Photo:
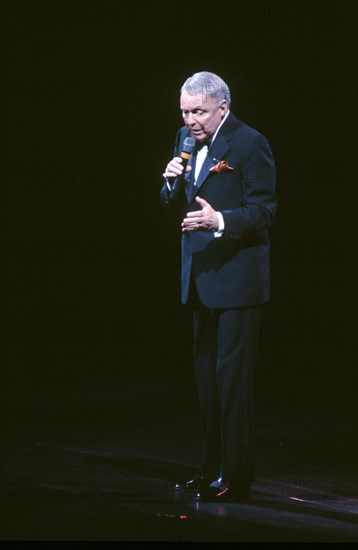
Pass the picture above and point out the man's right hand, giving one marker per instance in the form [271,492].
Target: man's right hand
[175,168]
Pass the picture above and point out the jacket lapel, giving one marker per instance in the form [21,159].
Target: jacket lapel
[189,178]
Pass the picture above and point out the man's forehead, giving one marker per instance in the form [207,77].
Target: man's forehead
[196,101]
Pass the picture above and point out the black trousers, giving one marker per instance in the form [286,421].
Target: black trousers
[225,351]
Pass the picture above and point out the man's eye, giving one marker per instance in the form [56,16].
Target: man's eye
[195,113]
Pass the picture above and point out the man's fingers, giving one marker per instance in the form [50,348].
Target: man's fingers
[195,214]
[193,219]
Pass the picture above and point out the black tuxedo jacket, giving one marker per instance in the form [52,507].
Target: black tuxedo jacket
[232,270]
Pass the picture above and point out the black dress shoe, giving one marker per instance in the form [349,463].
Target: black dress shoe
[199,483]
[220,491]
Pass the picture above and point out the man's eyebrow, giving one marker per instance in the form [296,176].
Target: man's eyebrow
[198,108]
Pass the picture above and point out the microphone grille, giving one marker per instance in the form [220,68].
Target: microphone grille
[189,144]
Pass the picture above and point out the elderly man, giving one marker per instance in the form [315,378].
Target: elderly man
[222,181]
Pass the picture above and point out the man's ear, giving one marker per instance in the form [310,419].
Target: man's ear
[223,108]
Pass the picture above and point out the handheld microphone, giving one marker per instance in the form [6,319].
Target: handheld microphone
[188,148]
[178,182]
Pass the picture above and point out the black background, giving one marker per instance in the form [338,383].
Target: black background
[90,264]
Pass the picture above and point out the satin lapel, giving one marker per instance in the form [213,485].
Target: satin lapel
[216,153]
[189,178]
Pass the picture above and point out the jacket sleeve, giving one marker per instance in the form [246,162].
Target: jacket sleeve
[258,178]
[172,193]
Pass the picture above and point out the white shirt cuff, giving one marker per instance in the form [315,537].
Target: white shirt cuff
[221,227]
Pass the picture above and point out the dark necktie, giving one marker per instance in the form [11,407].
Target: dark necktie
[200,144]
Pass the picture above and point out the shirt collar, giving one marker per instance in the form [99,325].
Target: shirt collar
[218,128]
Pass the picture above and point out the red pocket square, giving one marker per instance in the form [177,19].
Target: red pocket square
[221,166]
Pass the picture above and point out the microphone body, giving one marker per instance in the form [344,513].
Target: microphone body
[178,182]
[188,148]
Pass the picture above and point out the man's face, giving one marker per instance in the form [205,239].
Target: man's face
[202,114]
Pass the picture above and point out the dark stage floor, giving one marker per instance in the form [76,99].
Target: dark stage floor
[95,469]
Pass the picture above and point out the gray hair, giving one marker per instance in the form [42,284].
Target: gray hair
[206,83]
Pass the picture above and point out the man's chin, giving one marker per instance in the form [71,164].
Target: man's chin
[199,137]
